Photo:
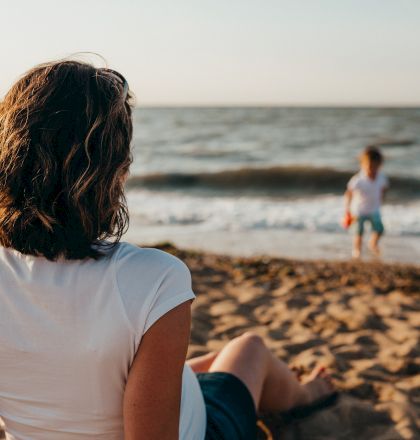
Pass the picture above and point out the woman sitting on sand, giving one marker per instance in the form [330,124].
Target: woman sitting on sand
[94,333]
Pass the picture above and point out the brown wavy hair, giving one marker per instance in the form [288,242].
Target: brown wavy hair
[65,134]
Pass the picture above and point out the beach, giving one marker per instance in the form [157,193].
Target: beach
[360,320]
[270,180]
[256,195]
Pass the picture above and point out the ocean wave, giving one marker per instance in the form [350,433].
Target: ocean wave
[281,181]
[388,142]
[317,214]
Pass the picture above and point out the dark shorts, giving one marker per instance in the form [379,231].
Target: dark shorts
[231,413]
[375,222]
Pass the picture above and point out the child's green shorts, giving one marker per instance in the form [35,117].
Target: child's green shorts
[375,221]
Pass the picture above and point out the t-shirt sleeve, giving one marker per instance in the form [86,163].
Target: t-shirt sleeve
[174,290]
[150,283]
[385,182]
[353,183]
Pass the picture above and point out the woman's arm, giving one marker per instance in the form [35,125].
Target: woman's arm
[152,395]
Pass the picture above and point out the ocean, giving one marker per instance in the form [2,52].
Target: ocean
[269,180]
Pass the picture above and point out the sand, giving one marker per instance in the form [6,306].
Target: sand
[361,320]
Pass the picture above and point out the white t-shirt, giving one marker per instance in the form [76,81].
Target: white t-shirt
[69,331]
[367,192]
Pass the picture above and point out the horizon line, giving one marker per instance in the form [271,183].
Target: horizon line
[279,105]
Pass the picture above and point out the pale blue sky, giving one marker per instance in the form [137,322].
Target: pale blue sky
[317,52]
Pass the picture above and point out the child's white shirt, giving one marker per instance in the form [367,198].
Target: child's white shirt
[367,192]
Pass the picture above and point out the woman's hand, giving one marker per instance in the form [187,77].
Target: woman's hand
[152,396]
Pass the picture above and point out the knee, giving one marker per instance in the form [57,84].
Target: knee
[251,340]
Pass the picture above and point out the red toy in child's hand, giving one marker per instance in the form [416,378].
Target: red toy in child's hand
[347,220]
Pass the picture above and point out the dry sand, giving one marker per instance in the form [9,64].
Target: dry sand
[362,321]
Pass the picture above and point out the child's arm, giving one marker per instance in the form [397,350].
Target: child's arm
[348,196]
[384,191]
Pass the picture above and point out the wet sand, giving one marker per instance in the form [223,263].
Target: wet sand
[360,320]
[275,243]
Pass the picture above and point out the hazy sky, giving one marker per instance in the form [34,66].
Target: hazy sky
[229,51]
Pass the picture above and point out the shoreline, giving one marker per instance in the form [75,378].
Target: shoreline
[298,245]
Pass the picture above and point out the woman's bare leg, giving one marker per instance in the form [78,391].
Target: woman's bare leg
[201,364]
[272,384]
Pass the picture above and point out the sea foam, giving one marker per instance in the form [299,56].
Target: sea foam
[318,214]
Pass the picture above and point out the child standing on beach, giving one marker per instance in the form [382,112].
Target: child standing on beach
[366,189]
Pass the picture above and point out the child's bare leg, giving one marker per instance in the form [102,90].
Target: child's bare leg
[272,384]
[374,243]
[201,364]
[357,246]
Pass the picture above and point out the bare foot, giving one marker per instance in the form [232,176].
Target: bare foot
[356,254]
[375,251]
[299,371]
[319,386]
